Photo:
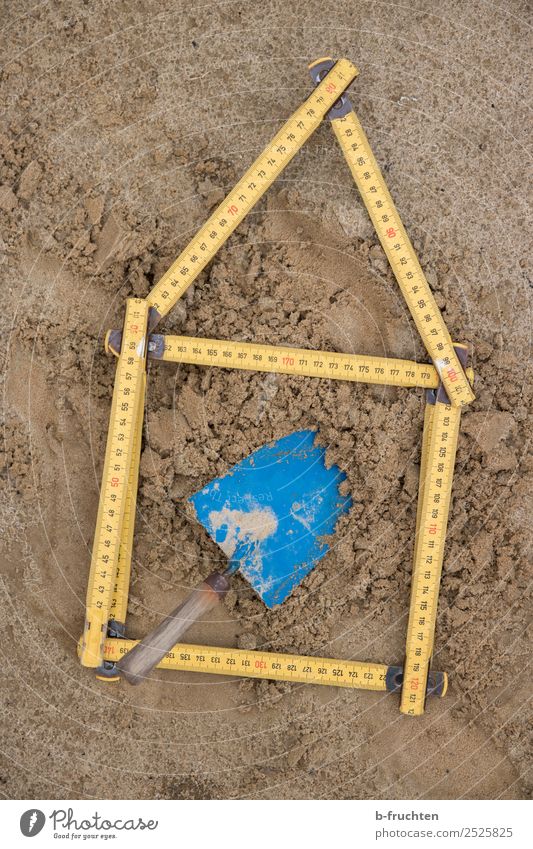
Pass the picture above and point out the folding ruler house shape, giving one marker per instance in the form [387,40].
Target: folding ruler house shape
[446,381]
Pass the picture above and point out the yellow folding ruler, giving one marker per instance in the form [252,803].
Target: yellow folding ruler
[249,189]
[301,362]
[274,666]
[103,640]
[439,445]
[116,509]
[396,244]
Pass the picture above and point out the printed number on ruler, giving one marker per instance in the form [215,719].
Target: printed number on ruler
[248,190]
[434,509]
[127,396]
[402,257]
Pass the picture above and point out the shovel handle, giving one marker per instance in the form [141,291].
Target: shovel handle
[138,663]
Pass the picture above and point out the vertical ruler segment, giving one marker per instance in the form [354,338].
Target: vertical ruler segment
[128,395]
[249,190]
[274,666]
[429,553]
[119,598]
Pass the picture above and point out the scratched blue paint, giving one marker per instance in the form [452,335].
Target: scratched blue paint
[271,512]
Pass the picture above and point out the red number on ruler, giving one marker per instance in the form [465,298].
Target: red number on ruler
[432,529]
[391,232]
[114,481]
[452,374]
[232,209]
[330,87]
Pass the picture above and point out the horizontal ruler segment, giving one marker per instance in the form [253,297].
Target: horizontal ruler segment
[249,190]
[384,371]
[128,395]
[274,666]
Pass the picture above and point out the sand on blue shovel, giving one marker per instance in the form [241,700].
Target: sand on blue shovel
[271,512]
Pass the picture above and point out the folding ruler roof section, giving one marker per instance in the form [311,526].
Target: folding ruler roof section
[447,383]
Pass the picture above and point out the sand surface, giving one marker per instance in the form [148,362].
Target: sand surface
[123,125]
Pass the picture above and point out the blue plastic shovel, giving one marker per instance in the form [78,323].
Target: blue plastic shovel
[271,515]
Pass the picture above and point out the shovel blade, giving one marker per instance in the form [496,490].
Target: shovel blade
[271,513]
